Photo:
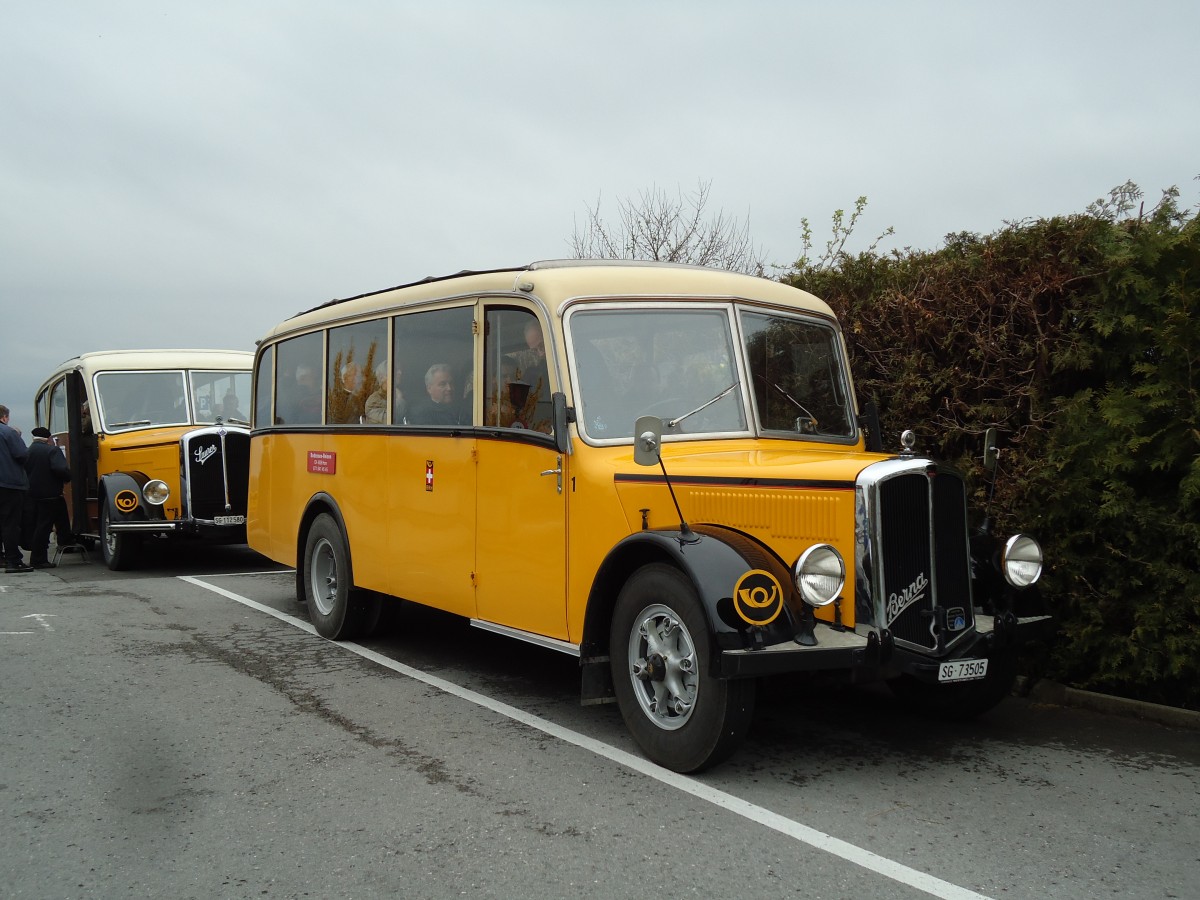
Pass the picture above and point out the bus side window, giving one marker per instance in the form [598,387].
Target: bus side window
[262,390]
[297,389]
[435,352]
[57,421]
[517,378]
[355,352]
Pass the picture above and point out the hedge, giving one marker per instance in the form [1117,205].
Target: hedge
[1078,337]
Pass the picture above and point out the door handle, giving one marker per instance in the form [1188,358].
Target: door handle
[558,472]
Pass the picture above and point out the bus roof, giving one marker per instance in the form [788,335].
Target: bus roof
[555,282]
[126,360]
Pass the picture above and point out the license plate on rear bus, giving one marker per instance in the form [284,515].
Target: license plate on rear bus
[241,520]
[963,670]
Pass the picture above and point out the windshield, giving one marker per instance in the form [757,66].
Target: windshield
[220,393]
[130,400]
[656,362]
[796,376]
[680,364]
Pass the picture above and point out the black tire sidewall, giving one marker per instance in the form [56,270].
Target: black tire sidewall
[723,708]
[333,625]
[126,546]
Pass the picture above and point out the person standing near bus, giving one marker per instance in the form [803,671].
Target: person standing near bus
[48,471]
[13,485]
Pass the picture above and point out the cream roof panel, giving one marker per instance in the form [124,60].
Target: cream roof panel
[126,360]
[555,282]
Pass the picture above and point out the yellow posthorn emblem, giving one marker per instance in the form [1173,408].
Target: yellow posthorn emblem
[126,501]
[757,597]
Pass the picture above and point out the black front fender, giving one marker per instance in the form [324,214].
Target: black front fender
[715,564]
[121,492]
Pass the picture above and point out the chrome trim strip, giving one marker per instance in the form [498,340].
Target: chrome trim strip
[528,636]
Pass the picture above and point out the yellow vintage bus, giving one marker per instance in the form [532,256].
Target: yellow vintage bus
[157,443]
[659,469]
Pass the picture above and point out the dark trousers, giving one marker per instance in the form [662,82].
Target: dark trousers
[12,508]
[50,513]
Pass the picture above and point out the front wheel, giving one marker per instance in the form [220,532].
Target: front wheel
[681,716]
[120,549]
[337,610]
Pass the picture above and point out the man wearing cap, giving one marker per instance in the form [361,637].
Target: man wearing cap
[13,483]
[48,472]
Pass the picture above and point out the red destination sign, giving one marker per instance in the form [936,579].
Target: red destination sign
[322,462]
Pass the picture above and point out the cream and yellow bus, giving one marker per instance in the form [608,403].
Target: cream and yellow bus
[157,442]
[658,469]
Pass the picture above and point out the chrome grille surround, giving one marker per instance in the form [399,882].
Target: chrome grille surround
[214,469]
[912,556]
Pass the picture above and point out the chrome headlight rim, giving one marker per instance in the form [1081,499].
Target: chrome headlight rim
[1021,561]
[156,492]
[820,575]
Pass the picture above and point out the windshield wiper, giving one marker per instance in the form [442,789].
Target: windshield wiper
[128,424]
[706,405]
[812,420]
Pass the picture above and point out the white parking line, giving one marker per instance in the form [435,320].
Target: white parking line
[804,834]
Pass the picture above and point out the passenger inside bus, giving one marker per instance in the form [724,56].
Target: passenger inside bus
[299,402]
[376,407]
[346,406]
[399,405]
[441,406]
[230,408]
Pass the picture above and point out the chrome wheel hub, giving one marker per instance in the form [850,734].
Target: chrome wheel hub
[662,667]
[323,577]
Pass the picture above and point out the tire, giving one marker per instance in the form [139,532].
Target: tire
[962,701]
[660,649]
[121,550]
[337,610]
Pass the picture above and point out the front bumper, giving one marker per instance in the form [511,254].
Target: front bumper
[176,526]
[873,656]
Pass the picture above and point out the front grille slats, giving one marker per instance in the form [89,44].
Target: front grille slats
[924,558]
[206,460]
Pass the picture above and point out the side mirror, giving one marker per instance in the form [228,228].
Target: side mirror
[562,416]
[990,450]
[647,437]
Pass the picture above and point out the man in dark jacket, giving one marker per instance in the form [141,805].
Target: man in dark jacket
[48,472]
[12,493]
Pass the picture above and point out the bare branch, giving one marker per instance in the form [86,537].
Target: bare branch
[679,229]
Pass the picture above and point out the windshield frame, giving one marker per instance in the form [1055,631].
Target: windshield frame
[189,419]
[844,382]
[733,310]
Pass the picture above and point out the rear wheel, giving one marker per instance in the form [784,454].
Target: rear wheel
[337,610]
[121,550]
[661,650]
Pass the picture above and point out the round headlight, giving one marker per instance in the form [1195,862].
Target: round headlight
[1021,560]
[820,575]
[156,492]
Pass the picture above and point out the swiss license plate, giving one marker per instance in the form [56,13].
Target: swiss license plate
[962,670]
[241,520]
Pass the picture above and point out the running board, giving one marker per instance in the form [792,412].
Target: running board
[529,637]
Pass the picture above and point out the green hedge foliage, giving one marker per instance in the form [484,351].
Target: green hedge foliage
[1078,337]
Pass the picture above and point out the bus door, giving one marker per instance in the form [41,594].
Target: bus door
[77,436]
[431,472]
[521,519]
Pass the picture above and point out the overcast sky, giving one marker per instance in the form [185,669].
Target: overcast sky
[190,174]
